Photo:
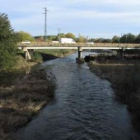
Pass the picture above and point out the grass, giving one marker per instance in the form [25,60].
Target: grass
[23,99]
[36,57]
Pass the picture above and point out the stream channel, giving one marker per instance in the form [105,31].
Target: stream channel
[84,108]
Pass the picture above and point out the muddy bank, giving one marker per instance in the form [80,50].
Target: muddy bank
[22,99]
[125,79]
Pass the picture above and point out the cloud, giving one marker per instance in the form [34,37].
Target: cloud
[105,2]
[72,16]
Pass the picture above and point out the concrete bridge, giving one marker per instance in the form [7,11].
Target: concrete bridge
[78,47]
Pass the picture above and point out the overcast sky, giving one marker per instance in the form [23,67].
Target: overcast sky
[92,18]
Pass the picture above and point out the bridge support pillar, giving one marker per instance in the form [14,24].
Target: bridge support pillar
[27,54]
[121,53]
[80,59]
[79,52]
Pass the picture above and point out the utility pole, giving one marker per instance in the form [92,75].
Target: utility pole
[58,33]
[126,40]
[45,28]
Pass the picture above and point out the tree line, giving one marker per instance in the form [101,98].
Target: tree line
[126,38]
[61,35]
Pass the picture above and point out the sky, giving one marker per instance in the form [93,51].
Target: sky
[90,18]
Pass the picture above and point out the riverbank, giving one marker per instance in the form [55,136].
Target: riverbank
[23,99]
[39,56]
[125,80]
[23,96]
[22,63]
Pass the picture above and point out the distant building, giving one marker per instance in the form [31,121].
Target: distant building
[67,41]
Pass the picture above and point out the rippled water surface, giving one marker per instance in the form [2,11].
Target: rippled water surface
[84,108]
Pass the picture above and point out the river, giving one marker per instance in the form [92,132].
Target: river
[84,108]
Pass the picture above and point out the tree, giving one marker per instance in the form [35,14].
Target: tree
[81,39]
[61,35]
[39,38]
[115,39]
[137,39]
[24,36]
[8,43]
[123,39]
[70,35]
[99,40]
[51,37]
[106,41]
[128,38]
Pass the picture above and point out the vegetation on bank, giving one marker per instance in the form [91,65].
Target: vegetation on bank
[10,58]
[22,99]
[125,79]
[38,56]
[8,43]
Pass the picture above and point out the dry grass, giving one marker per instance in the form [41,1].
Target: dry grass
[20,102]
[22,63]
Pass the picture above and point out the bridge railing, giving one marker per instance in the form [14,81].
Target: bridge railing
[45,44]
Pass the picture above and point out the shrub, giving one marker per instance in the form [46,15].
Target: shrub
[8,43]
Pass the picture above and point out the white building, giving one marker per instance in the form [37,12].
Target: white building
[67,41]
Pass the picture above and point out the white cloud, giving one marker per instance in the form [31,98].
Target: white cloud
[102,2]
[70,15]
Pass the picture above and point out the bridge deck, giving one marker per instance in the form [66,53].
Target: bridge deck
[82,46]
[79,47]
[77,44]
